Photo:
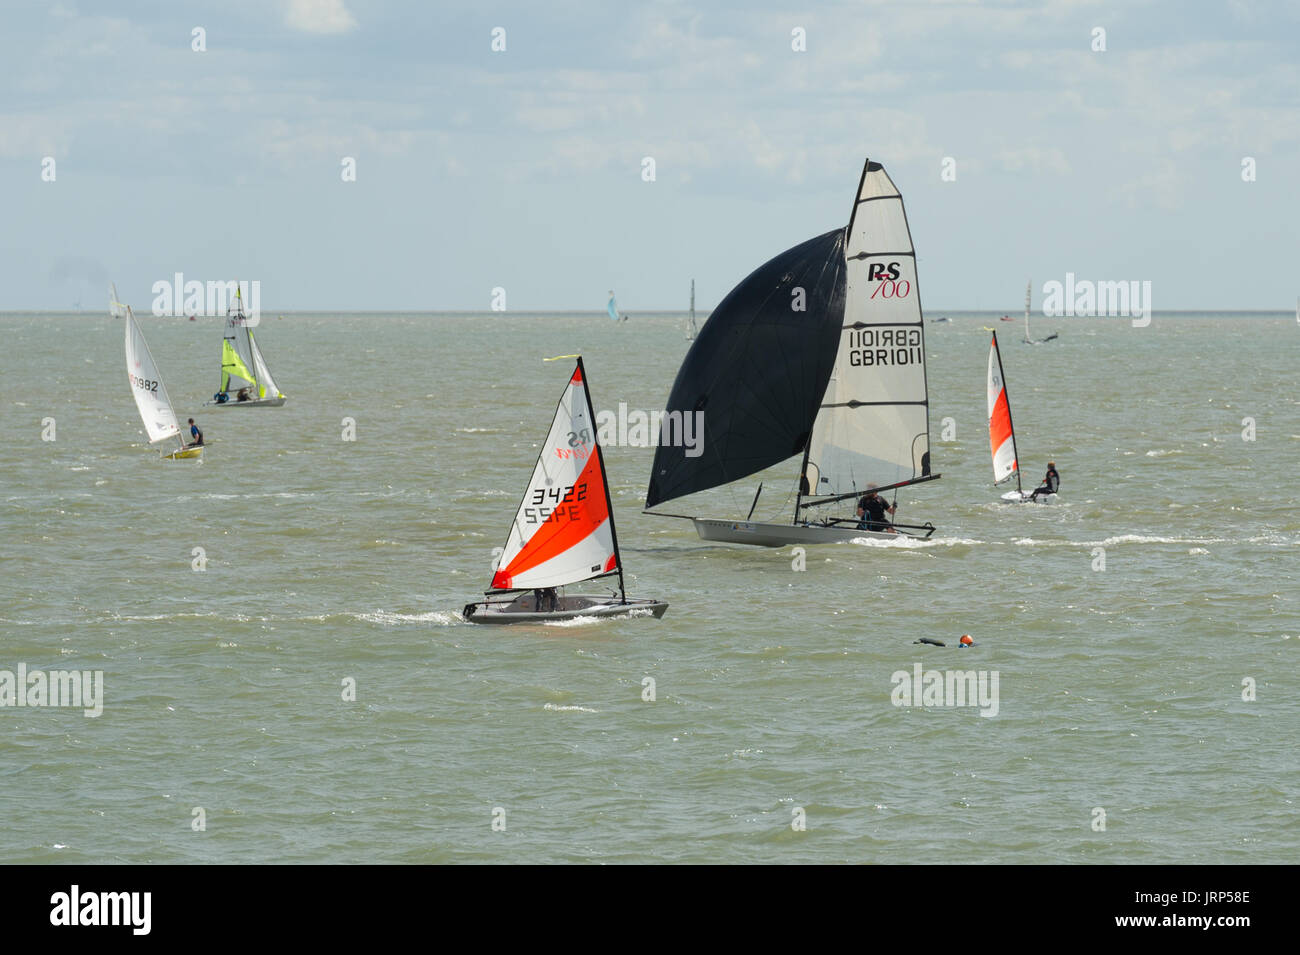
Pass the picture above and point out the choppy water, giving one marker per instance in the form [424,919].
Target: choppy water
[1119,689]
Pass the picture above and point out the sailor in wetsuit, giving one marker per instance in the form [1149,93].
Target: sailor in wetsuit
[1051,482]
[872,511]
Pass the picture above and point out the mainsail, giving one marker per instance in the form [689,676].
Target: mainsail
[874,423]
[146,385]
[611,307]
[564,530]
[1002,436]
[820,351]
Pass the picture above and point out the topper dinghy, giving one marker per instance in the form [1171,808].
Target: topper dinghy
[564,530]
[821,353]
[243,369]
[150,393]
[1002,435]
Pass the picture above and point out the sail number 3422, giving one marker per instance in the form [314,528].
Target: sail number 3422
[555,504]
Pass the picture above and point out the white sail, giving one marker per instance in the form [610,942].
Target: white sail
[115,308]
[873,426]
[563,532]
[146,385]
[1029,296]
[266,387]
[1002,439]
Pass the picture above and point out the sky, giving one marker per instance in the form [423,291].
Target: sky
[524,168]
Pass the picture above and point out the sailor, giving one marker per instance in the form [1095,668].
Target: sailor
[221,397]
[546,600]
[243,395]
[1051,482]
[196,435]
[872,510]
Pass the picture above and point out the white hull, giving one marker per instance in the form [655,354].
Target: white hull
[780,535]
[259,403]
[524,609]
[1016,497]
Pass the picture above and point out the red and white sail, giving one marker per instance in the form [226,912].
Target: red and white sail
[563,532]
[1002,438]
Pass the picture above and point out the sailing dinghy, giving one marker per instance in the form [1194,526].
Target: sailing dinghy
[692,329]
[819,352]
[115,308]
[150,394]
[1002,435]
[243,369]
[1029,339]
[564,530]
[611,309]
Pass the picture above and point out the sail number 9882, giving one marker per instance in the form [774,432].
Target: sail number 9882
[555,504]
[142,384]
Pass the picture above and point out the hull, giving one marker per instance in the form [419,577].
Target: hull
[523,609]
[1016,497]
[184,454]
[780,535]
[259,403]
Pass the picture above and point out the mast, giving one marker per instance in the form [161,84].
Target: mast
[1029,290]
[693,328]
[604,479]
[1007,391]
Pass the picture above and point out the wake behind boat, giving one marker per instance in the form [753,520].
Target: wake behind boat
[564,530]
[150,394]
[819,352]
[1002,436]
[243,369]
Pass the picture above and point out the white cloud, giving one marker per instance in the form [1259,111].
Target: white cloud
[319,16]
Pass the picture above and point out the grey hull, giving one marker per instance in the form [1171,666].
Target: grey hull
[780,535]
[259,403]
[523,609]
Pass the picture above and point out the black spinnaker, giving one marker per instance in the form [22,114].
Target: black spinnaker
[757,370]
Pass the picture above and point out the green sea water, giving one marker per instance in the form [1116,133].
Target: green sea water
[1144,633]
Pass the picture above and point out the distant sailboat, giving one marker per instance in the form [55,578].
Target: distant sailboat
[1029,339]
[115,308]
[564,530]
[243,369]
[150,394]
[692,329]
[611,309]
[1002,435]
[819,352]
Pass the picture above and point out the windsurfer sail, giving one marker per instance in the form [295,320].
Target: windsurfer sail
[819,352]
